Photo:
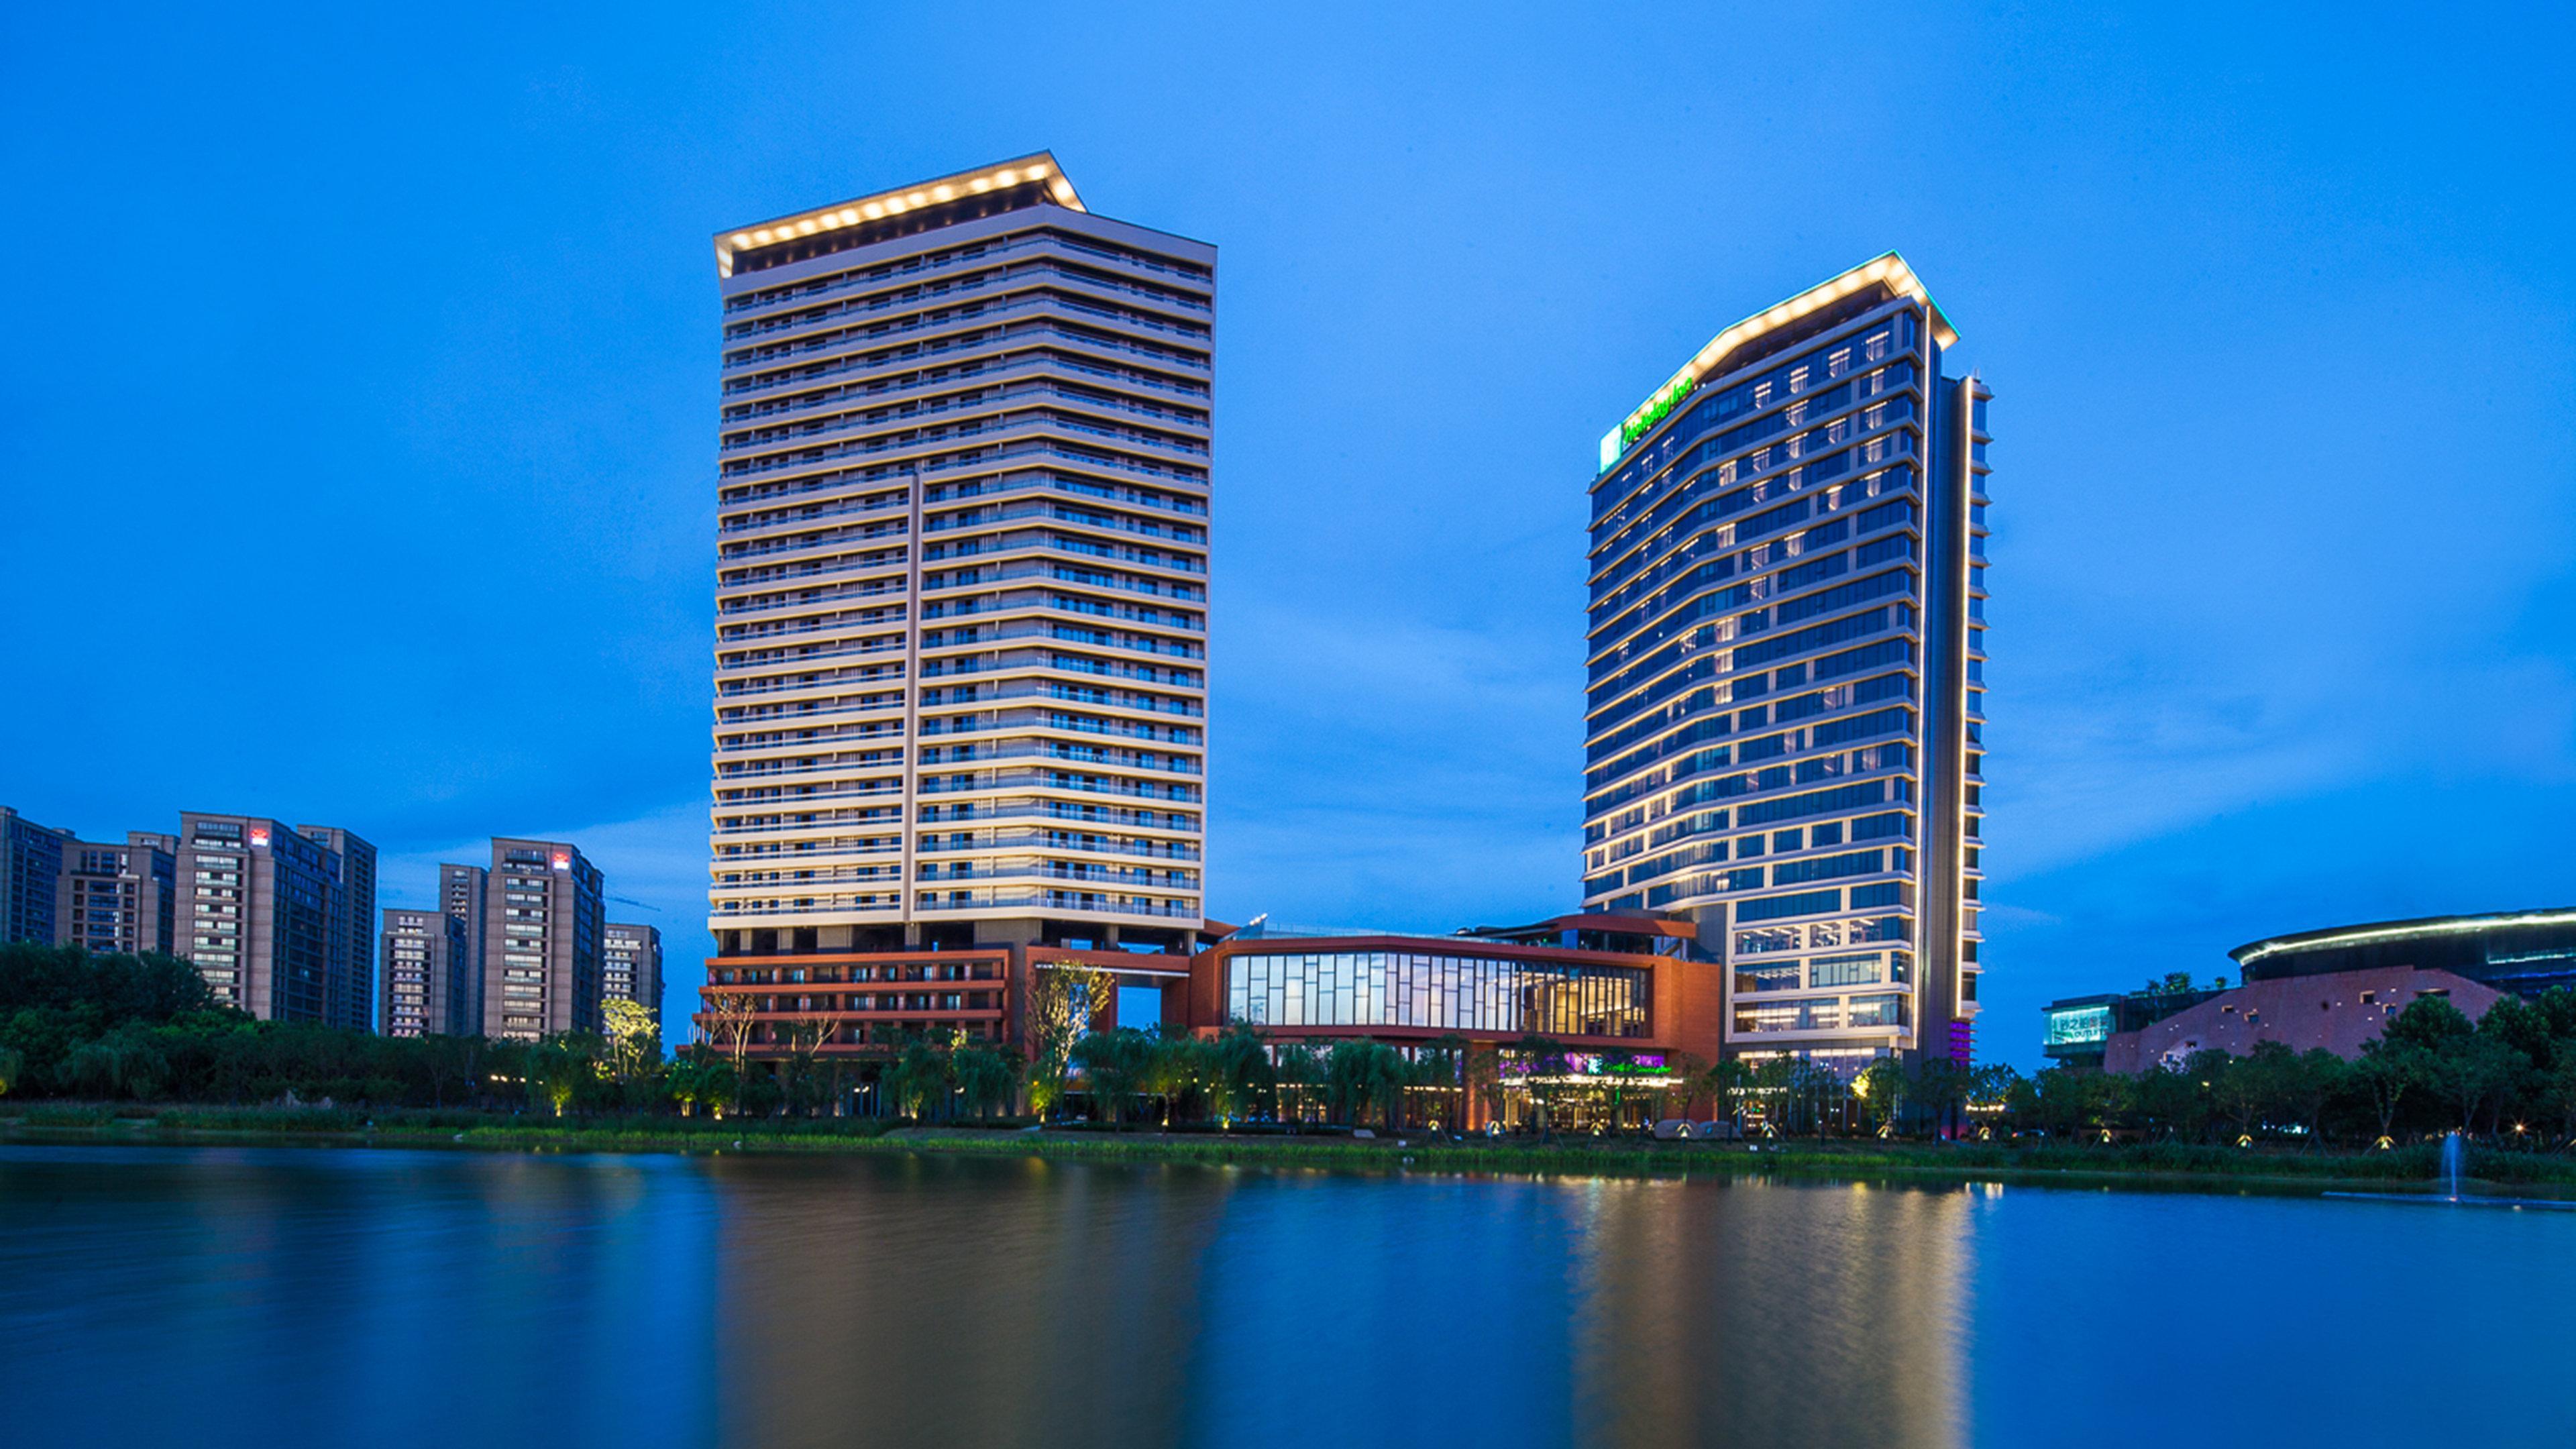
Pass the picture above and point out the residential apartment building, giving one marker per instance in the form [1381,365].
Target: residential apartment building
[31,862]
[260,910]
[632,966]
[118,899]
[353,928]
[427,988]
[960,682]
[463,894]
[1784,727]
[543,935]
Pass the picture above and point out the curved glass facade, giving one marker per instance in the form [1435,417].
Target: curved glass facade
[1786,647]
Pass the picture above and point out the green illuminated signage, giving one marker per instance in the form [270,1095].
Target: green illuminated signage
[1657,408]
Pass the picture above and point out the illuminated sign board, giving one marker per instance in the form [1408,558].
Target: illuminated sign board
[1597,1064]
[1889,270]
[258,836]
[563,861]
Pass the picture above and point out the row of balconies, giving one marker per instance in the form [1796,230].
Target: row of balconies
[953,315]
[997,281]
[971,258]
[893,371]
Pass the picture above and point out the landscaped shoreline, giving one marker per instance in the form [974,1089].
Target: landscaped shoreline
[2180,1166]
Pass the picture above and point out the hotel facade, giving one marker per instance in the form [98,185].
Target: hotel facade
[961,600]
[1784,734]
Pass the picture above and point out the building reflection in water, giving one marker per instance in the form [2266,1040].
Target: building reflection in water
[959,1300]
[1020,1302]
[1757,1313]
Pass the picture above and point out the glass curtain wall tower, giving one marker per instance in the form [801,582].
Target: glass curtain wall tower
[1784,729]
[962,556]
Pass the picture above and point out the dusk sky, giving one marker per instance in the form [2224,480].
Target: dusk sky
[357,424]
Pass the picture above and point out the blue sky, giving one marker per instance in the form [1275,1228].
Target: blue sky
[356,427]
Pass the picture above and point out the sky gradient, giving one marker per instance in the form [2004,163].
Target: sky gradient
[357,423]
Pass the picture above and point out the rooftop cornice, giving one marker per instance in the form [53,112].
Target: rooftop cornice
[1039,166]
[1889,269]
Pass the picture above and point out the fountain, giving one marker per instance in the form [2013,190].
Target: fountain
[2455,1155]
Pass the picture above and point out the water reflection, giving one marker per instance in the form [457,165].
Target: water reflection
[1752,1313]
[1005,1302]
[286,1297]
[958,1300]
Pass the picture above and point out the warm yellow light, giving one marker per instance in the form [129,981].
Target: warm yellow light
[805,228]
[848,216]
[1037,170]
[874,210]
[918,199]
[1890,269]
[741,239]
[894,205]
[942,193]
[980,184]
[1007,177]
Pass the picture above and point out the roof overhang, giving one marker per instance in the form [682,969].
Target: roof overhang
[1040,166]
[1889,270]
[2341,936]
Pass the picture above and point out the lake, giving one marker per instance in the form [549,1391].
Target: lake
[284,1297]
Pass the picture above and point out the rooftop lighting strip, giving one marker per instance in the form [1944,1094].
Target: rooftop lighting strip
[2404,933]
[1890,269]
[896,203]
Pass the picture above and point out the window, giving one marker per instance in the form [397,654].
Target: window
[1865,970]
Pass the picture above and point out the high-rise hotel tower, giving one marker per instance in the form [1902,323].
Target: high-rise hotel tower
[1784,730]
[961,593]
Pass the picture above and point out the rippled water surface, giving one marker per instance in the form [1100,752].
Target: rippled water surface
[284,1297]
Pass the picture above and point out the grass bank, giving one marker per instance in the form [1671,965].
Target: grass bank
[2070,1164]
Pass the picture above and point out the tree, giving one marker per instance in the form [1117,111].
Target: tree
[2313,1082]
[1364,1076]
[1543,1066]
[2387,1070]
[634,1040]
[1937,1088]
[557,1067]
[1728,1083]
[1062,997]
[728,1022]
[1346,1077]
[1883,1089]
[1113,1065]
[699,1078]
[1169,1070]
[12,1064]
[2555,1094]
[2478,1071]
[2169,1102]
[1238,1071]
[1774,1085]
[799,1071]
[1300,1071]
[1389,1073]
[124,1063]
[986,1077]
[919,1075]
[1990,1089]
